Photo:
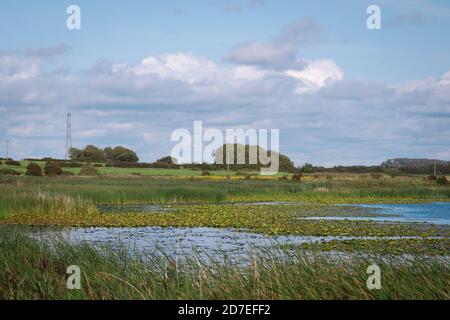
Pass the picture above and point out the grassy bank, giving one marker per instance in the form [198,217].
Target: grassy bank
[343,189]
[37,270]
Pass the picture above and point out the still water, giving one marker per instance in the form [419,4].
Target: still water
[229,242]
[433,213]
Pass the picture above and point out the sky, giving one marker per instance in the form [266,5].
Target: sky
[339,93]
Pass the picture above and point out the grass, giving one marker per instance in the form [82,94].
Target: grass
[37,270]
[216,189]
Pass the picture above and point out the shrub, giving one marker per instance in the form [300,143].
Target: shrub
[52,168]
[432,177]
[33,169]
[442,180]
[205,173]
[168,160]
[12,163]
[89,170]
[296,177]
[307,168]
[376,175]
[9,172]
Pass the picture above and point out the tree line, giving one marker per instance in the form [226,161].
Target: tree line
[108,154]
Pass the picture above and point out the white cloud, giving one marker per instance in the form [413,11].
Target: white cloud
[199,71]
[177,66]
[316,75]
[14,68]
[92,133]
[281,51]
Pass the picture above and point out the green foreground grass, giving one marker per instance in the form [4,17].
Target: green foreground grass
[37,270]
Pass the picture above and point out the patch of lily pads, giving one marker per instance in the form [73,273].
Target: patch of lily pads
[269,220]
[420,247]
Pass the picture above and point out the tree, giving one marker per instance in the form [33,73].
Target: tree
[120,154]
[307,168]
[109,154]
[168,160]
[93,153]
[76,154]
[33,169]
[52,168]
[285,164]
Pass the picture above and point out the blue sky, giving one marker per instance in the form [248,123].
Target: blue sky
[339,93]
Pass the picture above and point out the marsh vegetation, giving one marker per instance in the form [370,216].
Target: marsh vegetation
[264,207]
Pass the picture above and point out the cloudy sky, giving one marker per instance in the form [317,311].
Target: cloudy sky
[137,70]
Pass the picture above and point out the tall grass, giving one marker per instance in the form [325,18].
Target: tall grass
[37,270]
[22,194]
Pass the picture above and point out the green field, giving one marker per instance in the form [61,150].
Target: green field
[103,170]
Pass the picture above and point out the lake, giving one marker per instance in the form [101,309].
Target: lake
[181,241]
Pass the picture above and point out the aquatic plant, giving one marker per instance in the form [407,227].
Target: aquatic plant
[31,269]
[421,247]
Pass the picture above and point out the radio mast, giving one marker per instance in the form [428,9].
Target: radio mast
[68,135]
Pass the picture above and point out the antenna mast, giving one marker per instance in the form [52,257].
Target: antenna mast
[68,135]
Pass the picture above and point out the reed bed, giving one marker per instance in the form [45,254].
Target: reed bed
[37,270]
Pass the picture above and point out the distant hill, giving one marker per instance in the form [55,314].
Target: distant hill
[413,163]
